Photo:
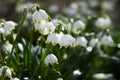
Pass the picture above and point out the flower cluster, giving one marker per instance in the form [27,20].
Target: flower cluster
[61,39]
[41,23]
[79,43]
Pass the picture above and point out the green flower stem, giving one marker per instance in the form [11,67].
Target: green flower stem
[19,28]
[1,58]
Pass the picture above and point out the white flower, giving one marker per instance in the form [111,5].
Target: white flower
[39,15]
[40,25]
[2,30]
[20,46]
[44,27]
[81,41]
[77,72]
[50,26]
[53,38]
[103,23]
[59,78]
[66,40]
[93,42]
[78,26]
[50,59]
[9,26]
[14,79]
[102,76]
[62,39]
[107,40]
[8,73]
[8,46]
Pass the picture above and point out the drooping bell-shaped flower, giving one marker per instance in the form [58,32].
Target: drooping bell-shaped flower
[50,59]
[103,23]
[39,15]
[53,38]
[66,40]
[9,26]
[78,26]
[81,41]
[107,40]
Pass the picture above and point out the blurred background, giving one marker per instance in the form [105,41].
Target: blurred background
[10,9]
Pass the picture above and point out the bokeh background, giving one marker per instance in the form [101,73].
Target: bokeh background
[112,7]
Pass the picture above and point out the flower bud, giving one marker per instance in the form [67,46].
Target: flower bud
[8,73]
[59,78]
